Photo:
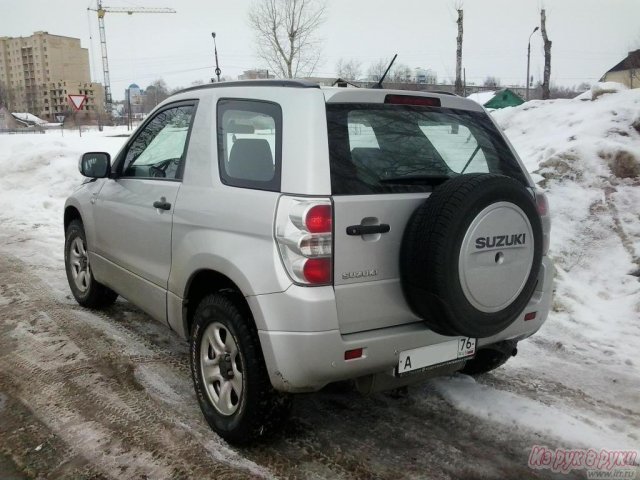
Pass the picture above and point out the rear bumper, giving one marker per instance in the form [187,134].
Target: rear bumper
[302,361]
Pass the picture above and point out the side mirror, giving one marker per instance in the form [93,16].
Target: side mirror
[95,164]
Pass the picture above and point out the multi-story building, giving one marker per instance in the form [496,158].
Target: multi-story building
[255,74]
[37,73]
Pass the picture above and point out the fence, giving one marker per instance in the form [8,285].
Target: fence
[22,130]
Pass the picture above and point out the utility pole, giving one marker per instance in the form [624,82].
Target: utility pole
[458,87]
[129,120]
[215,50]
[464,84]
[529,62]
[102,10]
[547,57]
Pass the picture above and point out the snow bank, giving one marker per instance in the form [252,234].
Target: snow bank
[585,156]
[482,97]
[39,171]
[600,89]
[29,117]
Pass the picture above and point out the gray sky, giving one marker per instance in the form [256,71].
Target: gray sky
[589,36]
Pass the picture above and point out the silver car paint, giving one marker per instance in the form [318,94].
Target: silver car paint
[306,361]
[303,331]
[375,300]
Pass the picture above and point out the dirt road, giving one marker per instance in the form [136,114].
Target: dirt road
[86,395]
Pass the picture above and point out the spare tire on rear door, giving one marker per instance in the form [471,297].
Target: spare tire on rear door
[471,254]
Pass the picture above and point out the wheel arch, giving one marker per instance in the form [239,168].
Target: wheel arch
[71,213]
[206,281]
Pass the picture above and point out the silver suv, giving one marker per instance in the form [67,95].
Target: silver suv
[299,236]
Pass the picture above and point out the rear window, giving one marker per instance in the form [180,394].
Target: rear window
[377,148]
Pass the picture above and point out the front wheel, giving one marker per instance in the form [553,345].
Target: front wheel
[229,374]
[86,290]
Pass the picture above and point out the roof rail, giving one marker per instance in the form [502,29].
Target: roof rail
[254,83]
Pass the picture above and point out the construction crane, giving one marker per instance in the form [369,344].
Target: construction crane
[102,10]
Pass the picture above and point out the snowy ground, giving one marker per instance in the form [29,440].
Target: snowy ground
[88,395]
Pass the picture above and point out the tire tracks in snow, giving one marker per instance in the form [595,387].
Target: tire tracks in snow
[112,392]
[79,380]
[625,240]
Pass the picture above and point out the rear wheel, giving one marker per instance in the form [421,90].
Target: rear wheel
[229,374]
[491,357]
[86,290]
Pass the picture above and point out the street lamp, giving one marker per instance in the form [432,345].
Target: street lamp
[529,61]
[215,49]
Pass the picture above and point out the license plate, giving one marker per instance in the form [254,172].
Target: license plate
[425,358]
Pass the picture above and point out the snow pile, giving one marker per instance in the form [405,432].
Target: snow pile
[29,118]
[482,97]
[600,89]
[38,174]
[586,156]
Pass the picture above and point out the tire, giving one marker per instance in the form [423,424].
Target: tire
[471,254]
[257,410]
[490,358]
[88,292]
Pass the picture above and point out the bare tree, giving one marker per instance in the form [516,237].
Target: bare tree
[349,69]
[491,82]
[546,78]
[401,73]
[459,87]
[377,69]
[286,34]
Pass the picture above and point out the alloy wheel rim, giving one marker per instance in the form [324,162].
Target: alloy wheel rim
[221,368]
[80,268]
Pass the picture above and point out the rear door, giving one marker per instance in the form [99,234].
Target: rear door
[385,160]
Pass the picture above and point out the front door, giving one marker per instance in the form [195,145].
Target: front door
[133,211]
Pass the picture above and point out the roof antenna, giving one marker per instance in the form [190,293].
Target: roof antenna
[379,84]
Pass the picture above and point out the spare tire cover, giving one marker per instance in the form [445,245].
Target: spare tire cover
[471,255]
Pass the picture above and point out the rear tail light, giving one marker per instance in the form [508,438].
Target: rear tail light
[317,271]
[319,219]
[542,204]
[304,234]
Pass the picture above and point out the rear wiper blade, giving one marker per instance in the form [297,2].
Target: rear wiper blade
[417,179]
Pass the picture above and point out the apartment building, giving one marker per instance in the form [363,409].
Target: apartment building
[37,73]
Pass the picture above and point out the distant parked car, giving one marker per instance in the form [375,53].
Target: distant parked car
[299,236]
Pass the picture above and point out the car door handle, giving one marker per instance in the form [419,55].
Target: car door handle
[367,229]
[162,204]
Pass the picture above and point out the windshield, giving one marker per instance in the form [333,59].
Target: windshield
[377,148]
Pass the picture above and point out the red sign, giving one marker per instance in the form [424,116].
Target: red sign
[77,101]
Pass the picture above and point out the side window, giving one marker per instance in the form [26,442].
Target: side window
[250,143]
[159,148]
